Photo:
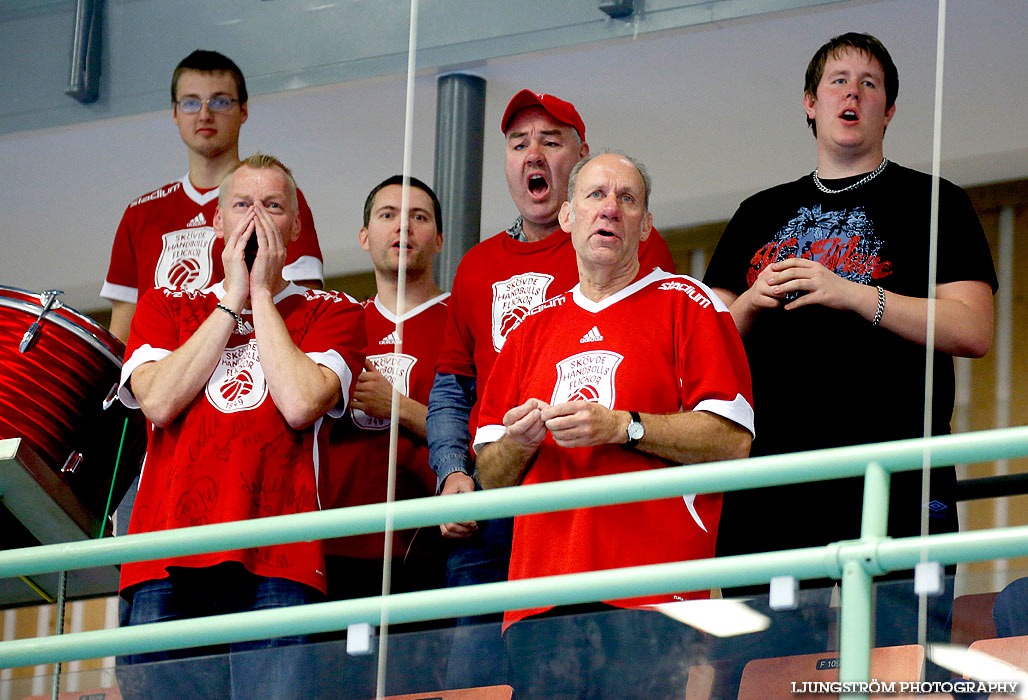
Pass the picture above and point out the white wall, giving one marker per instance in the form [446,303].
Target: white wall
[715,113]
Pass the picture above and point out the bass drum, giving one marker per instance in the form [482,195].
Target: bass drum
[58,370]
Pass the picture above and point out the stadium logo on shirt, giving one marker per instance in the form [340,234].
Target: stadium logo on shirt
[237,383]
[185,261]
[512,298]
[587,376]
[396,368]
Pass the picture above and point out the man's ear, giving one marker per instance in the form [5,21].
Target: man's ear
[244,113]
[583,151]
[890,113]
[218,223]
[564,217]
[647,227]
[809,104]
[294,232]
[362,238]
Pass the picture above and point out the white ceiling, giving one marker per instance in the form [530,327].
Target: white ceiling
[714,112]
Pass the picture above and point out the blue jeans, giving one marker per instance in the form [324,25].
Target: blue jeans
[477,653]
[270,668]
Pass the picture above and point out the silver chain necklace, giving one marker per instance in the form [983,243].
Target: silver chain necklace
[862,181]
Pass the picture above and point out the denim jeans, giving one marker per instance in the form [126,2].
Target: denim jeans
[477,653]
[270,668]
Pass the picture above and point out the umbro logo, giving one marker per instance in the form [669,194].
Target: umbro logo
[592,336]
[389,339]
[197,220]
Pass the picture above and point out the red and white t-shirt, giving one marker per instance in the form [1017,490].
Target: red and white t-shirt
[661,345]
[357,457]
[166,239]
[231,455]
[498,281]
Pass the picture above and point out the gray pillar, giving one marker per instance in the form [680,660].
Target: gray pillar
[460,118]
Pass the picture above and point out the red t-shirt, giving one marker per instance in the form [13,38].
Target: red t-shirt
[661,345]
[230,455]
[498,281]
[358,451]
[166,239]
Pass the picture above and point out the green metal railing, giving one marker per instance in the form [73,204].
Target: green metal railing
[855,562]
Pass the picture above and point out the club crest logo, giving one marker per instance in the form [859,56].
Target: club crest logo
[396,368]
[185,260]
[512,298]
[587,376]
[237,383]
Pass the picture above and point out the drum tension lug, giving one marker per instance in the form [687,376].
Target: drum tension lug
[50,301]
[71,465]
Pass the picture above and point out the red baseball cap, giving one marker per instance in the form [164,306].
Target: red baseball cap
[557,108]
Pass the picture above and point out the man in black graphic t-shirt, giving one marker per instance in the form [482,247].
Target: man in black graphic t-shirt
[827,280]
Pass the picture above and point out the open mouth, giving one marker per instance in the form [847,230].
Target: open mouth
[849,115]
[537,185]
[605,233]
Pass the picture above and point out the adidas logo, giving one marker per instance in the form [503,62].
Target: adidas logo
[197,220]
[592,336]
[389,339]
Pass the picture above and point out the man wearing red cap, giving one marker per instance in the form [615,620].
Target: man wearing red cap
[496,283]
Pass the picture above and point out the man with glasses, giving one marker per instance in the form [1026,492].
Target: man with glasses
[165,238]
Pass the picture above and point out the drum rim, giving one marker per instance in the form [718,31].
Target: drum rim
[63,321]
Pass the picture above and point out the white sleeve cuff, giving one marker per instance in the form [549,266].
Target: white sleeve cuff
[305,267]
[335,362]
[738,410]
[142,355]
[119,292]
[487,434]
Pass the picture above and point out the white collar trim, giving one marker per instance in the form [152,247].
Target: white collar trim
[195,194]
[410,313]
[596,306]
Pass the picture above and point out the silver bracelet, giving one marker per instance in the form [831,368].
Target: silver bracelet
[241,328]
[881,307]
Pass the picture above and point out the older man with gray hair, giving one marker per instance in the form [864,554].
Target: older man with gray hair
[628,371]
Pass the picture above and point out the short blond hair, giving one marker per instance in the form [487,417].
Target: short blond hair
[260,161]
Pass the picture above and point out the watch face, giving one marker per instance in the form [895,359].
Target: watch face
[635,430]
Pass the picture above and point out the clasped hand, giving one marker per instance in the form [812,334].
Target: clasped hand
[815,284]
[572,424]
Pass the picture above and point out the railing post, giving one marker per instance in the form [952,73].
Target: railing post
[857,612]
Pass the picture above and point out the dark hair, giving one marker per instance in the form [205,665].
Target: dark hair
[414,182]
[210,62]
[865,43]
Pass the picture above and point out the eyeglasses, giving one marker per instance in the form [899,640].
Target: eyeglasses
[218,103]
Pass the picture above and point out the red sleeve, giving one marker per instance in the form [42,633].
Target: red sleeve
[122,270]
[153,323]
[654,252]
[457,354]
[502,391]
[339,327]
[305,246]
[712,364]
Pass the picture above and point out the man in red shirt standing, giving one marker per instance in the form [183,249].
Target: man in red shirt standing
[166,237]
[236,380]
[496,283]
[584,388]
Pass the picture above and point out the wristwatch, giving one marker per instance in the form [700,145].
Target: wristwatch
[635,430]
